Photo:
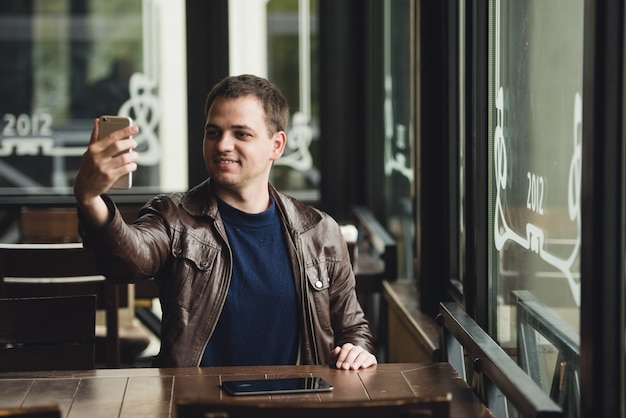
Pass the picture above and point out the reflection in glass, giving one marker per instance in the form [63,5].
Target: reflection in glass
[68,62]
[398,139]
[536,142]
[292,64]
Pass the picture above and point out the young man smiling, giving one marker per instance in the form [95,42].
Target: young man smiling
[247,275]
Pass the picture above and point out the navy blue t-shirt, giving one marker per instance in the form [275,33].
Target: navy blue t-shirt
[259,322]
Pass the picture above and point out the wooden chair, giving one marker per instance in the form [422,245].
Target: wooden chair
[48,225]
[388,408]
[51,333]
[29,270]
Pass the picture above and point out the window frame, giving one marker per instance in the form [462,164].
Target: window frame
[602,264]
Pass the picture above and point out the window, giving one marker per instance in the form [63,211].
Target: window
[398,130]
[535,124]
[281,43]
[66,62]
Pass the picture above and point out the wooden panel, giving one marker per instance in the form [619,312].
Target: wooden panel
[13,392]
[148,397]
[403,346]
[58,392]
[396,408]
[99,397]
[412,335]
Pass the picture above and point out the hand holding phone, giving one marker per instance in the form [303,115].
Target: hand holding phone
[109,124]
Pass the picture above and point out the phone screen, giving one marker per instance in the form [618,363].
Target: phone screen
[109,124]
[272,386]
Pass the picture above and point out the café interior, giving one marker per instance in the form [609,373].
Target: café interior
[472,152]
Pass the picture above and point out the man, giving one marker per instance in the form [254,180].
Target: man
[246,274]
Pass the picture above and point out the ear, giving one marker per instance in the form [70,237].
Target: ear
[279,141]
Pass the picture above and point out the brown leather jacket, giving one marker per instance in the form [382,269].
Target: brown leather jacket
[179,239]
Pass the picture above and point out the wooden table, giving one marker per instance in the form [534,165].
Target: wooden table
[152,392]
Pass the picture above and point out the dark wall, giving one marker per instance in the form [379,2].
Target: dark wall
[343,104]
[207,63]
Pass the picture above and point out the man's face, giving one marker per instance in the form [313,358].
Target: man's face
[238,148]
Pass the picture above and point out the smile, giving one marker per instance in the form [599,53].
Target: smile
[225,162]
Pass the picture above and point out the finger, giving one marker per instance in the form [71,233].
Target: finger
[364,360]
[121,147]
[346,356]
[128,159]
[342,352]
[354,357]
[124,133]
[95,131]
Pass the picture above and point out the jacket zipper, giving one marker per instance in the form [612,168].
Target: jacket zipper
[230,273]
[305,300]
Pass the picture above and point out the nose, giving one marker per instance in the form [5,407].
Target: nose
[225,142]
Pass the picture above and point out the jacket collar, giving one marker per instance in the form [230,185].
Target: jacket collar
[201,201]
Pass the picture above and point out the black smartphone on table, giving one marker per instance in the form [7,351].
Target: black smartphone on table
[275,386]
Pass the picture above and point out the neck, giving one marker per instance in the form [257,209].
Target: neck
[252,201]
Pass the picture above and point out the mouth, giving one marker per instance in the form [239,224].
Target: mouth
[224,162]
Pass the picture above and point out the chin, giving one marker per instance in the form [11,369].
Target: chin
[223,180]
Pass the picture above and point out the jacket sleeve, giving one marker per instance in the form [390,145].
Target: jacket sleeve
[127,253]
[347,316]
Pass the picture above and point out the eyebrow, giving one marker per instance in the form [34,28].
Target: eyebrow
[212,125]
[241,127]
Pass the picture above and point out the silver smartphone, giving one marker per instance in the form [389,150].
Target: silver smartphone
[274,386]
[109,124]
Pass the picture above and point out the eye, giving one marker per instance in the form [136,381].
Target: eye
[212,133]
[242,134]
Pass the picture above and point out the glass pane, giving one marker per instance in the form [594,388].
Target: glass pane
[68,62]
[398,135]
[536,99]
[293,49]
[281,43]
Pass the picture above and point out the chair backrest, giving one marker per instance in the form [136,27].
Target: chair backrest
[388,408]
[49,333]
[29,270]
[377,242]
[48,225]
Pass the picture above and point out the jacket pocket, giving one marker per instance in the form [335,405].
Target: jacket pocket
[318,288]
[193,263]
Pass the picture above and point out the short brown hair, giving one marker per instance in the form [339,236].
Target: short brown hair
[274,103]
